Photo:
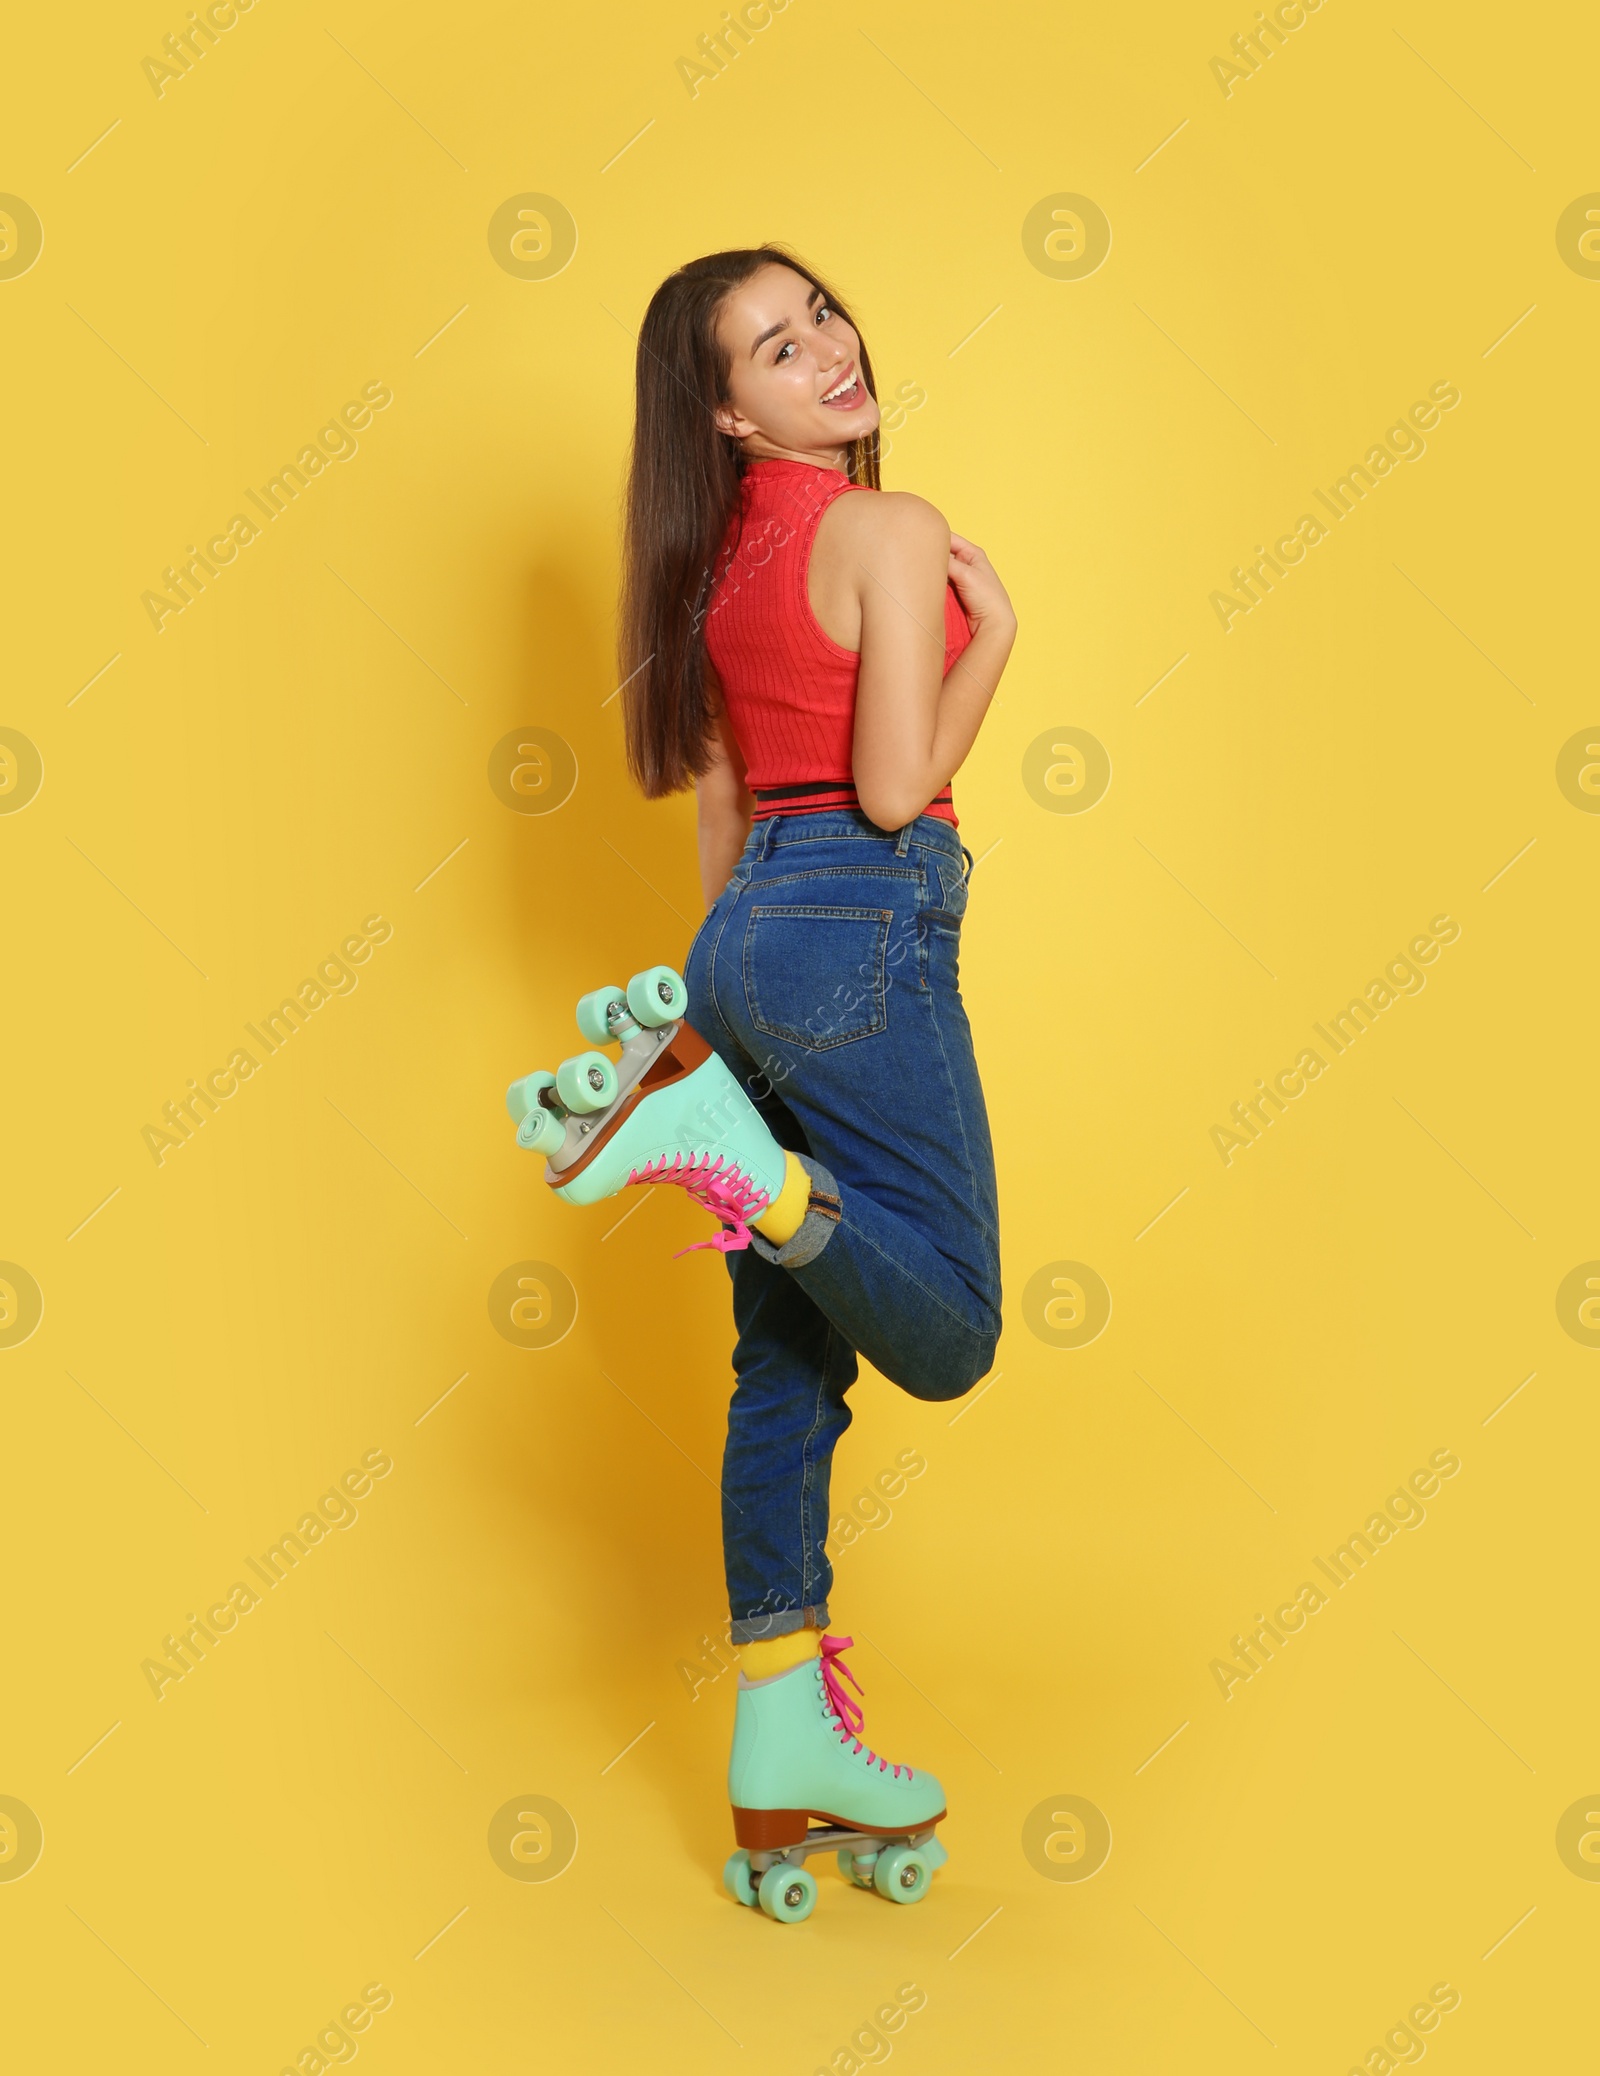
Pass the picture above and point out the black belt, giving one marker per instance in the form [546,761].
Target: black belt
[808,788]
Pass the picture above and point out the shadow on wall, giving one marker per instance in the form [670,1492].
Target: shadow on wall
[614,1457]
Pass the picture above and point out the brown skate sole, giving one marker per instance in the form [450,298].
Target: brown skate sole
[768,1830]
[686,1051]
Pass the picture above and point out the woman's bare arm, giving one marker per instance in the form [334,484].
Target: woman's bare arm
[914,725]
[724,803]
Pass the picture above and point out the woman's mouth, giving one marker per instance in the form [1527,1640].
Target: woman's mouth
[846,395]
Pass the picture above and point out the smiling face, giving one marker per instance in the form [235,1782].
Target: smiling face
[795,387]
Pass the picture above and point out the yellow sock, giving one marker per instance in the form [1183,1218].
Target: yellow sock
[774,1654]
[783,1217]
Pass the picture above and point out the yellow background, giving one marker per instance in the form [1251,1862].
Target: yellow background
[308,740]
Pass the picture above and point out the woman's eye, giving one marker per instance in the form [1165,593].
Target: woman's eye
[822,312]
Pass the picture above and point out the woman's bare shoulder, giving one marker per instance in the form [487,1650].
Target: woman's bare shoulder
[897,522]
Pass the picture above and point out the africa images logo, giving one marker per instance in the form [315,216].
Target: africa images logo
[185,577]
[1253,581]
[1402,976]
[183,1118]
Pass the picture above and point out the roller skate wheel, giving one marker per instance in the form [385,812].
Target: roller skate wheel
[902,1874]
[736,1879]
[657,996]
[857,1867]
[522,1095]
[592,1019]
[788,1893]
[588,1081]
[541,1131]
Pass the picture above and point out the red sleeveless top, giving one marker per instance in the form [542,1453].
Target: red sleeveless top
[790,689]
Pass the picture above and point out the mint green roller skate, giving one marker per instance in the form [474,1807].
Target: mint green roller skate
[798,1757]
[666,1111]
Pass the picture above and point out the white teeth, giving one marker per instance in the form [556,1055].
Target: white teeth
[843,389]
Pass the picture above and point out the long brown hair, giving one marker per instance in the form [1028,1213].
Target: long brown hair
[683,491]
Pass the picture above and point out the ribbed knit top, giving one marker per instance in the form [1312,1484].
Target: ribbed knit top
[789,688]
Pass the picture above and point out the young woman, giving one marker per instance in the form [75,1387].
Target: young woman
[815,655]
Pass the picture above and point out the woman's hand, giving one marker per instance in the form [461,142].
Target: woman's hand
[982,595]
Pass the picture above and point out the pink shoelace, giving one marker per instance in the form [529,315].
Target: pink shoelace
[725,1191]
[846,1713]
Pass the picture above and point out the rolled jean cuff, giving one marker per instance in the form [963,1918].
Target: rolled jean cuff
[814,1231]
[763,1628]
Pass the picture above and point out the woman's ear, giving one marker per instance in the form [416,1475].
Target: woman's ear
[727,420]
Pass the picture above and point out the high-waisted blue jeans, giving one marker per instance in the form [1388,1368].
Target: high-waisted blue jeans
[825,976]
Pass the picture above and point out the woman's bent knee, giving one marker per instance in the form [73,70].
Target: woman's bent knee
[948,1371]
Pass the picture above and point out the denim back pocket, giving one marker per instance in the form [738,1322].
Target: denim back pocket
[814,976]
[951,878]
